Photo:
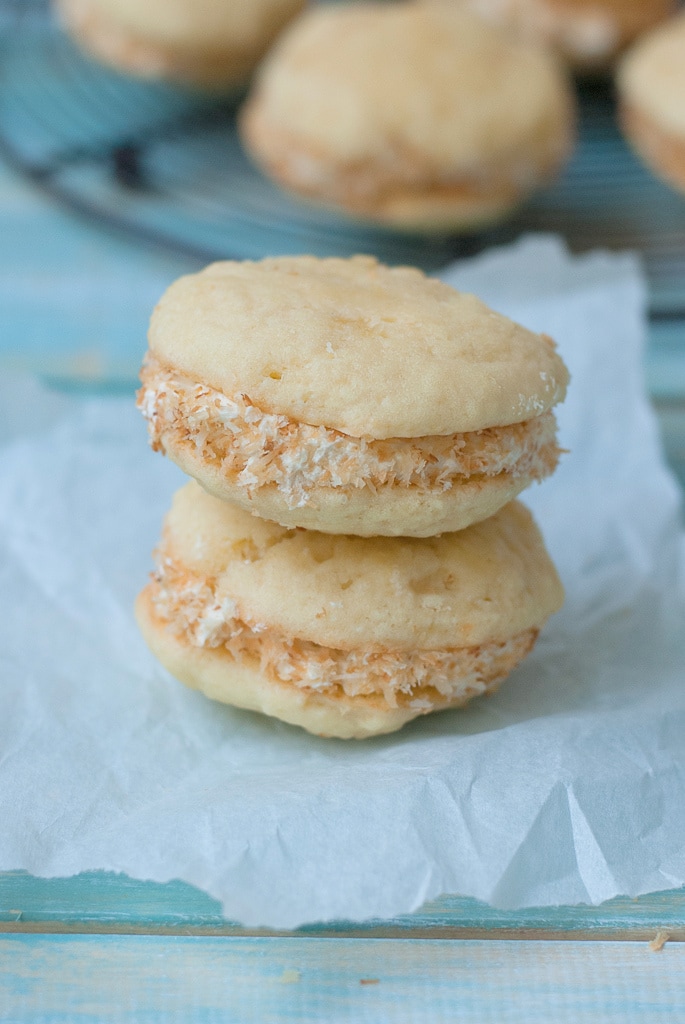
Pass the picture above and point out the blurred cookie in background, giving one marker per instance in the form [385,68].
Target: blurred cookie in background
[587,33]
[208,44]
[651,85]
[421,116]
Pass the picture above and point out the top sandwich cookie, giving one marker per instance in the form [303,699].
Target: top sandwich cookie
[349,397]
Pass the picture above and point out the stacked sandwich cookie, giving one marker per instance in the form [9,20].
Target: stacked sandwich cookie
[349,555]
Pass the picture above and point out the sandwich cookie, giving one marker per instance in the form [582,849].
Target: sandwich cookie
[344,636]
[210,44]
[345,396]
[415,115]
[651,85]
[587,33]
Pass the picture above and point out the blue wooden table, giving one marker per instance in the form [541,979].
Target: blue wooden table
[74,303]
[106,948]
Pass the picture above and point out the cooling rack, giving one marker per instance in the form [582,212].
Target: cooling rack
[166,167]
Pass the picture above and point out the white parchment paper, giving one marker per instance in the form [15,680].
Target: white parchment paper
[568,786]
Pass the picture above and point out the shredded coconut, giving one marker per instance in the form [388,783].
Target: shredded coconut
[257,449]
[194,611]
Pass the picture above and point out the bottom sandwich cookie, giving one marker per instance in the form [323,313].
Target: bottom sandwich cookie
[343,636]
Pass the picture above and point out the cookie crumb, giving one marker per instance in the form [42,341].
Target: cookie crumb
[289,977]
[659,941]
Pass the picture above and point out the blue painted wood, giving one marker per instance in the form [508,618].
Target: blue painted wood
[102,900]
[74,302]
[155,980]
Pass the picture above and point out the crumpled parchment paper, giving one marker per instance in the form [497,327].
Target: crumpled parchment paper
[567,786]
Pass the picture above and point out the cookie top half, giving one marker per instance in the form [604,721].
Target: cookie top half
[485,583]
[353,345]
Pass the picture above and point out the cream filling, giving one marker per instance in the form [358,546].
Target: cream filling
[256,449]
[195,612]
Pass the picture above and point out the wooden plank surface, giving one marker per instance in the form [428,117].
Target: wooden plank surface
[101,902]
[154,980]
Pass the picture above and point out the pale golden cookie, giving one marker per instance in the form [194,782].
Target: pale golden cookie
[349,397]
[344,636]
[415,115]
[210,44]
[587,33]
[651,85]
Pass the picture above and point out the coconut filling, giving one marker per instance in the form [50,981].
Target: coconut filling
[420,680]
[257,449]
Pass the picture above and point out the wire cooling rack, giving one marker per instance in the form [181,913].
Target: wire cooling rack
[166,166]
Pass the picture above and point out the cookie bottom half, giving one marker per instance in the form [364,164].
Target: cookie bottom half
[389,512]
[303,476]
